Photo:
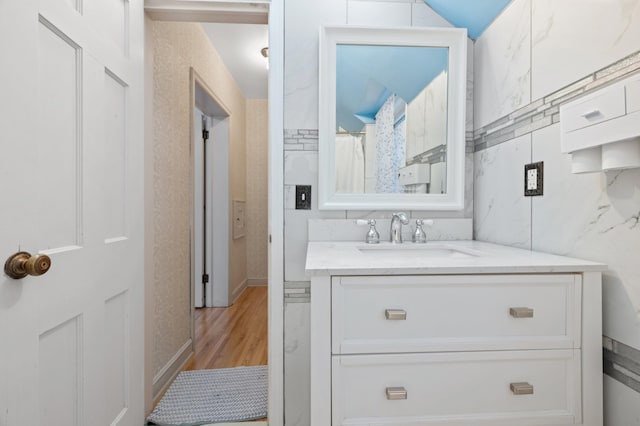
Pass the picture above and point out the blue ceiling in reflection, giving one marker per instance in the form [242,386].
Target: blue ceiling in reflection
[367,75]
[474,15]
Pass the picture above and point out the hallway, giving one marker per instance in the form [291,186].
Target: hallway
[234,336]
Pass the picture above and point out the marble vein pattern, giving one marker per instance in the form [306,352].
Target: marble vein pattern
[303,20]
[300,168]
[582,37]
[470,87]
[501,212]
[502,65]
[593,216]
[297,354]
[544,112]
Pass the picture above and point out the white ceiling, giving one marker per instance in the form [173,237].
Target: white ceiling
[239,47]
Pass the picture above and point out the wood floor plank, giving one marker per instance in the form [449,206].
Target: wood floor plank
[233,336]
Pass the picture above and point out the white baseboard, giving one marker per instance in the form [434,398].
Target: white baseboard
[238,291]
[257,282]
[168,373]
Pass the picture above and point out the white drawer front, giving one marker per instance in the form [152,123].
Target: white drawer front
[450,313]
[633,95]
[457,388]
[593,109]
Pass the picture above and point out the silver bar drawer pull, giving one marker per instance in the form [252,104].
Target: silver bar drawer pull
[395,314]
[521,312]
[590,114]
[521,388]
[395,393]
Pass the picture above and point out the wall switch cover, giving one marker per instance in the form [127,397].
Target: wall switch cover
[303,197]
[533,179]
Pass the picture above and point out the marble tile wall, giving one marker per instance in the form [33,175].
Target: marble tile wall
[303,19]
[297,353]
[501,214]
[582,37]
[593,216]
[301,98]
[502,65]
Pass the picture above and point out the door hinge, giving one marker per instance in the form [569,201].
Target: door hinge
[205,278]
[269,238]
[205,134]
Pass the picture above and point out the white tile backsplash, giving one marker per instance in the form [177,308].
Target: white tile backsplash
[348,230]
[502,65]
[502,214]
[571,38]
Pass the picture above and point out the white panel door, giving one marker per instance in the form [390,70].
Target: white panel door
[71,183]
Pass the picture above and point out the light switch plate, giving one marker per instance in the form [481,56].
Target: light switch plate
[303,197]
[533,179]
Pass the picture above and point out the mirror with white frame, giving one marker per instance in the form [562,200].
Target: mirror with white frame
[392,118]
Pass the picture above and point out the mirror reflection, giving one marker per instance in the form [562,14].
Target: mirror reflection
[391,119]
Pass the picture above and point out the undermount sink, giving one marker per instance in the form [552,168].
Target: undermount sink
[414,251]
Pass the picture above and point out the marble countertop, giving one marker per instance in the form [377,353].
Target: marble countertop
[435,257]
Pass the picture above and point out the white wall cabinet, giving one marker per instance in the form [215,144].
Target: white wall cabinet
[601,130]
[498,349]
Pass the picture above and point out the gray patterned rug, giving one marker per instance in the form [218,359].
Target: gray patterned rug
[201,397]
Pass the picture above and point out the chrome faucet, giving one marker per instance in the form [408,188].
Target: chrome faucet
[397,220]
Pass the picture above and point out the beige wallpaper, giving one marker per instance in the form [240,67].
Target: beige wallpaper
[176,48]
[257,189]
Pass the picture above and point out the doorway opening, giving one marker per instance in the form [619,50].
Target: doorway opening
[210,170]
[229,325]
[229,330]
[225,12]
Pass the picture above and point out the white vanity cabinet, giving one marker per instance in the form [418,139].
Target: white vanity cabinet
[399,347]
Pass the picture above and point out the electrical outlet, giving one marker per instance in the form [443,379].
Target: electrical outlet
[303,197]
[533,179]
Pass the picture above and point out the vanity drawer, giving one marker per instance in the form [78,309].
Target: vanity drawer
[395,314]
[593,109]
[632,89]
[482,388]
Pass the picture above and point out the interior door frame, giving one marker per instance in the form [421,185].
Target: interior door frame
[217,200]
[254,12]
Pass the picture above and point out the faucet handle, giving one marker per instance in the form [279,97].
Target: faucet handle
[373,236]
[419,236]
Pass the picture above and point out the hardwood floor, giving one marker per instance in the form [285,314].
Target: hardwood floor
[234,336]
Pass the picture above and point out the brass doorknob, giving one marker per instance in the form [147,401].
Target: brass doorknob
[22,264]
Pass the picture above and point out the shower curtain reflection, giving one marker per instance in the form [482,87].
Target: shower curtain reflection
[349,164]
